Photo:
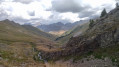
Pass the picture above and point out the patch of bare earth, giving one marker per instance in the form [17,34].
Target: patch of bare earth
[58,33]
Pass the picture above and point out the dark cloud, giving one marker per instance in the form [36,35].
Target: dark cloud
[31,13]
[73,6]
[88,13]
[68,6]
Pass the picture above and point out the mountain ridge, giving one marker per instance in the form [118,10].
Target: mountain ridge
[103,34]
[59,26]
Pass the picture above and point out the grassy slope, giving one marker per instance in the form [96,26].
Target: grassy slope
[38,32]
[66,36]
[17,43]
[17,54]
[10,31]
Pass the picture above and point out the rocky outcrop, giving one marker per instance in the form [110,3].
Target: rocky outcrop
[104,33]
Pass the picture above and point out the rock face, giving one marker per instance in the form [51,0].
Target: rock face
[104,33]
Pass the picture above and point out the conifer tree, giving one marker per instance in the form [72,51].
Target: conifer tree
[103,13]
[117,5]
[91,23]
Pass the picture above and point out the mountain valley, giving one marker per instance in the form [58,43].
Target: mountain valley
[85,43]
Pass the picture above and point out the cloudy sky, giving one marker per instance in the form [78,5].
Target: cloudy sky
[51,11]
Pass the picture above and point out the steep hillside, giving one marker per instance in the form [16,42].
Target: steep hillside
[11,31]
[101,40]
[38,32]
[72,33]
[18,44]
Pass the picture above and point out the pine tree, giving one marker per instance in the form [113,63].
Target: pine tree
[91,23]
[103,13]
[117,4]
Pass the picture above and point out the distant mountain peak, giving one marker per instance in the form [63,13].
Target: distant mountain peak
[59,26]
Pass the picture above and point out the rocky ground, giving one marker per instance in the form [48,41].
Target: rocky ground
[101,39]
[85,62]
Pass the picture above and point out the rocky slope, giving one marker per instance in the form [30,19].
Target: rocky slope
[98,38]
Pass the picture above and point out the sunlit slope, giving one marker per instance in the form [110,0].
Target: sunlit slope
[10,31]
[73,32]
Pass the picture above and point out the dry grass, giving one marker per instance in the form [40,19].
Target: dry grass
[17,54]
[57,33]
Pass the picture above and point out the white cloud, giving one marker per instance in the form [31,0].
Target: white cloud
[70,16]
[85,8]
[99,3]
[25,1]
[35,11]
[17,9]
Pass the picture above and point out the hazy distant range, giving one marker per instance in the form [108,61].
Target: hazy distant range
[60,27]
